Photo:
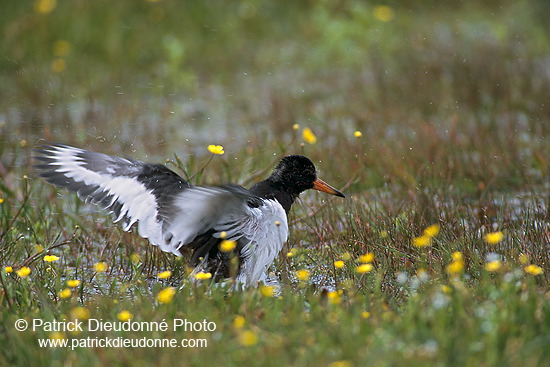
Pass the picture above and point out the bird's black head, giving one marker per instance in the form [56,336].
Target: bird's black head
[293,175]
[297,173]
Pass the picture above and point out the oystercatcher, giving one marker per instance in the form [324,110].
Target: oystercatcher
[174,215]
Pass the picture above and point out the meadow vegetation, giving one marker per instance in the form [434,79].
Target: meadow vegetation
[433,118]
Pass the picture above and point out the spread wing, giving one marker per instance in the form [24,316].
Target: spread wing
[169,211]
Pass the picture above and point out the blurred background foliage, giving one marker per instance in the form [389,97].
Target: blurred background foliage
[153,74]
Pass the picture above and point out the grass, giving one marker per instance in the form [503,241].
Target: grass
[452,104]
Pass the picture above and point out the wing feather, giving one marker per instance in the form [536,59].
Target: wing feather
[114,183]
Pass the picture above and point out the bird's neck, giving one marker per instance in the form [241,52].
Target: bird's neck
[269,189]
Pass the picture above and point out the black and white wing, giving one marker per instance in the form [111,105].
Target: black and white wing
[131,190]
[169,211]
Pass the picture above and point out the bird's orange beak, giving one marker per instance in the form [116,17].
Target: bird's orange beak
[321,185]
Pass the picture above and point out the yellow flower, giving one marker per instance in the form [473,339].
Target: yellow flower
[334,297]
[358,134]
[446,289]
[309,136]
[366,258]
[457,256]
[216,149]
[81,313]
[24,271]
[365,314]
[65,293]
[164,275]
[248,338]
[302,275]
[50,258]
[238,322]
[101,267]
[422,241]
[339,264]
[365,268]
[494,237]
[166,295]
[493,266]
[267,290]
[293,252]
[1,200]
[44,6]
[73,283]
[533,269]
[383,13]
[454,267]
[124,315]
[295,127]
[8,269]
[432,230]
[227,245]
[203,276]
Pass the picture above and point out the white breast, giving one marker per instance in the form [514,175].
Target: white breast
[266,231]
